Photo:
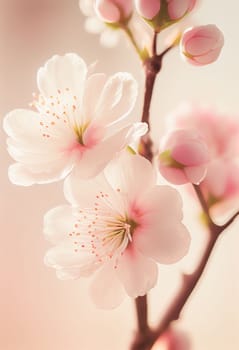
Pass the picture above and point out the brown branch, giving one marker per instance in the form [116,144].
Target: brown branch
[189,282]
[142,314]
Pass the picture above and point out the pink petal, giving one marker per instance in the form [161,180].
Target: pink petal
[147,8]
[174,175]
[106,290]
[107,11]
[178,8]
[61,73]
[157,200]
[165,244]
[190,153]
[216,178]
[137,273]
[195,174]
[162,236]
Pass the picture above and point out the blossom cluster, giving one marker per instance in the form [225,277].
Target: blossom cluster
[119,222]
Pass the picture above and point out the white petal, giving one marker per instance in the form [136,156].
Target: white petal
[132,174]
[74,273]
[20,174]
[106,290]
[117,99]
[83,193]
[109,38]
[21,124]
[93,88]
[93,25]
[58,223]
[137,273]
[64,257]
[61,72]
[94,160]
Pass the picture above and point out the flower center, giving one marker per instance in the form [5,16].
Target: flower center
[61,111]
[103,230]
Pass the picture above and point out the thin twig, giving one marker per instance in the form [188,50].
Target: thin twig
[154,45]
[130,35]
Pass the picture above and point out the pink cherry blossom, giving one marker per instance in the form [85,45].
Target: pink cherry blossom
[113,11]
[173,340]
[202,45]
[80,120]
[118,226]
[221,134]
[147,8]
[184,157]
[179,8]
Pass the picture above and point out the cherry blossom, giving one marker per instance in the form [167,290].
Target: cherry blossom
[173,340]
[184,157]
[201,45]
[93,24]
[116,229]
[221,134]
[80,120]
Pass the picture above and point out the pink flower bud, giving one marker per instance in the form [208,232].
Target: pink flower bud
[147,8]
[178,8]
[202,45]
[184,157]
[113,11]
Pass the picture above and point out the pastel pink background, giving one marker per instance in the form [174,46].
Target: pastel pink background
[39,312]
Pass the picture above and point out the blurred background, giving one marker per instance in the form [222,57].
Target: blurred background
[39,312]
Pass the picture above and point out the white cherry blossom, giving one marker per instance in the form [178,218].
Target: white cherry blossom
[80,120]
[118,226]
[93,24]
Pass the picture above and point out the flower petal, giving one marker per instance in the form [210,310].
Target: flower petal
[26,175]
[83,192]
[132,174]
[63,257]
[106,290]
[137,273]
[196,174]
[61,73]
[162,236]
[22,124]
[95,159]
[117,99]
[58,222]
[173,175]
[93,88]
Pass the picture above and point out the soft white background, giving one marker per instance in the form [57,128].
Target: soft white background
[38,312]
